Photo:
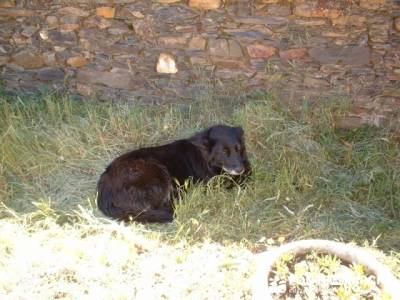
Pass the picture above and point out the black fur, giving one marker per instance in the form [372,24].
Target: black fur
[140,184]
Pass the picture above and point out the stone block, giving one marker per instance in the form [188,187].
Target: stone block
[262,20]
[50,74]
[397,23]
[297,53]
[268,1]
[167,1]
[116,78]
[77,61]
[52,21]
[311,22]
[250,35]
[69,19]
[379,33]
[175,14]
[7,3]
[352,55]
[118,30]
[234,74]
[197,43]
[278,10]
[49,58]
[28,59]
[235,51]
[73,11]
[96,21]
[312,10]
[315,82]
[225,48]
[105,12]
[350,21]
[69,27]
[261,51]
[372,4]
[226,53]
[143,28]
[166,64]
[19,39]
[62,38]
[16,12]
[3,60]
[199,60]
[218,47]
[205,4]
[29,31]
[173,41]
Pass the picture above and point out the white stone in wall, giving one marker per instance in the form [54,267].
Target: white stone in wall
[166,64]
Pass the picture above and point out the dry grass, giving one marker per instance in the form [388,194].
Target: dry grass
[104,260]
[310,180]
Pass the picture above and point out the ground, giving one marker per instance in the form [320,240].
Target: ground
[311,179]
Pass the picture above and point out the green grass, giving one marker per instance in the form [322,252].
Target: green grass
[310,180]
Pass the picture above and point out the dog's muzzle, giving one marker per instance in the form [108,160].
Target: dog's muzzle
[234,172]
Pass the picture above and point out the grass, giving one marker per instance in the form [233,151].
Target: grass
[311,180]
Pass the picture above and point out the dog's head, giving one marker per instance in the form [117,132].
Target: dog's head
[224,149]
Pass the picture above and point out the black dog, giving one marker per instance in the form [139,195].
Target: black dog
[140,184]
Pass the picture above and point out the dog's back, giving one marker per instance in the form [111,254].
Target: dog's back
[137,188]
[139,184]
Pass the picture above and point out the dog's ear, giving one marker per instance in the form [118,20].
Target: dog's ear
[201,140]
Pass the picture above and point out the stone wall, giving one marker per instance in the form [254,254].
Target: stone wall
[147,50]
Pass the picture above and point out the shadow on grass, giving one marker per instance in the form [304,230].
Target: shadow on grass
[311,179]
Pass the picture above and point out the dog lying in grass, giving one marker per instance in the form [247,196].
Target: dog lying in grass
[140,184]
